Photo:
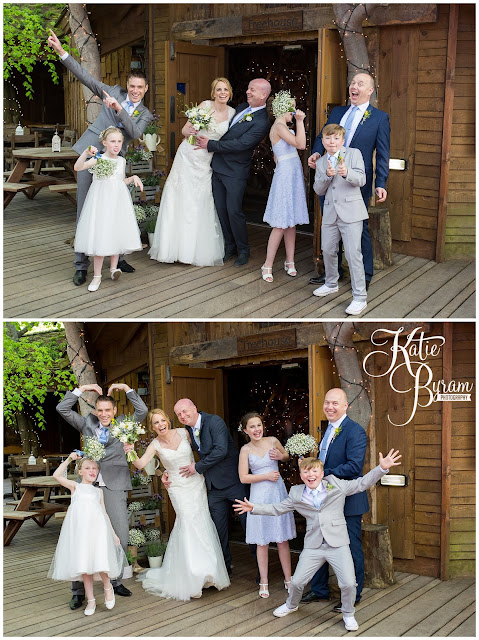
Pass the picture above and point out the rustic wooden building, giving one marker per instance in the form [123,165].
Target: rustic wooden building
[284,369]
[423,56]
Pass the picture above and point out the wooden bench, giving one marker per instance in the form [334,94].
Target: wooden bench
[14,503]
[7,174]
[15,520]
[65,189]
[15,187]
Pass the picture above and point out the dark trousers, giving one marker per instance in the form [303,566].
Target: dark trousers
[228,195]
[219,502]
[319,583]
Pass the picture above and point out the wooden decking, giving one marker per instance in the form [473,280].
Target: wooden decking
[38,271]
[36,606]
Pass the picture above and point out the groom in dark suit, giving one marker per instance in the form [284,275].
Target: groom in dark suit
[114,476]
[367,129]
[342,451]
[231,165]
[211,439]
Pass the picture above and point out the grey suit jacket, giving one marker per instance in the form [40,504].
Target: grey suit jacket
[343,196]
[133,126]
[114,466]
[328,522]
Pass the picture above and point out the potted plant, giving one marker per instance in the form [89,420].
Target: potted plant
[131,557]
[138,160]
[150,226]
[141,485]
[155,551]
[136,542]
[151,134]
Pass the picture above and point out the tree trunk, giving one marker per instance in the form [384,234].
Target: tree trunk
[87,46]
[27,434]
[80,363]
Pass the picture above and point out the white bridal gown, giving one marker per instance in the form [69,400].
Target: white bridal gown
[193,558]
[188,229]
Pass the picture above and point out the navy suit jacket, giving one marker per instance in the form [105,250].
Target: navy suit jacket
[233,152]
[218,454]
[374,133]
[345,460]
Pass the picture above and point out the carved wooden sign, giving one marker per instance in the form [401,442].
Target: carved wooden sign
[264,342]
[273,22]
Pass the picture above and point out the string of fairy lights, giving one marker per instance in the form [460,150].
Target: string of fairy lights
[76,357]
[16,108]
[344,30]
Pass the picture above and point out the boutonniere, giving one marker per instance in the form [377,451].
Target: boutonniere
[197,433]
[135,113]
[246,118]
[340,157]
[367,114]
[336,433]
[329,486]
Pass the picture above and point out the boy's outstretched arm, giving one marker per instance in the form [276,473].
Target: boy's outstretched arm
[243,506]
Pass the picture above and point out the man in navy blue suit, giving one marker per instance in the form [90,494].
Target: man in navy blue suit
[342,451]
[367,129]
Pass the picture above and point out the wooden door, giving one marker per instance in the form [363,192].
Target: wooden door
[191,69]
[332,84]
[322,377]
[203,386]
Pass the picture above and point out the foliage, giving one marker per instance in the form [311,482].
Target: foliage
[153,502]
[138,154]
[136,537]
[156,548]
[150,225]
[25,31]
[154,125]
[153,179]
[152,535]
[142,213]
[134,506]
[138,479]
[130,557]
[34,363]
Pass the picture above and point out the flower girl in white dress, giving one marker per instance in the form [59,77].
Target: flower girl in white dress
[88,549]
[194,558]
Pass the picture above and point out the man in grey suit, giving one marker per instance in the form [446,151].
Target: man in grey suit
[121,108]
[321,501]
[114,476]
[339,176]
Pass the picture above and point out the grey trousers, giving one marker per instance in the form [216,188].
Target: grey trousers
[350,233]
[311,560]
[115,505]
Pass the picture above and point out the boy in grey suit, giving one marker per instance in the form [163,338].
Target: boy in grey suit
[121,108]
[321,501]
[340,175]
[114,476]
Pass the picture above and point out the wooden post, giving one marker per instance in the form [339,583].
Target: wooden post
[446,455]
[447,132]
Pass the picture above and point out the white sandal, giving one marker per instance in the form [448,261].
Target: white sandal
[263,590]
[95,283]
[287,584]
[267,273]
[90,612]
[290,269]
[115,273]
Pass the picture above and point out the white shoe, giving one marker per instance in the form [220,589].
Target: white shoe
[356,307]
[109,604]
[283,610]
[90,609]
[323,290]
[290,269]
[350,623]
[95,283]
[115,273]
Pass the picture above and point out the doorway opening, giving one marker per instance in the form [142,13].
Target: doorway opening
[293,67]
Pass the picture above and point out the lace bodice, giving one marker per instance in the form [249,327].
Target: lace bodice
[173,459]
[218,130]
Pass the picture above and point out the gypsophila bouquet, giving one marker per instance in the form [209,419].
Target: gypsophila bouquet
[283,103]
[134,506]
[143,213]
[152,534]
[300,444]
[136,537]
[103,169]
[94,449]
[200,118]
[128,431]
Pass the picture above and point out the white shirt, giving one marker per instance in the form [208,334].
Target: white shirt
[307,496]
[331,434]
[239,115]
[357,119]
[197,426]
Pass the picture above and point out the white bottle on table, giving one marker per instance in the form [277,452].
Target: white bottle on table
[32,459]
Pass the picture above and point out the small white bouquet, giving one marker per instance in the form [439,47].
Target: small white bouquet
[152,534]
[200,118]
[103,169]
[134,506]
[93,449]
[136,537]
[300,444]
[127,431]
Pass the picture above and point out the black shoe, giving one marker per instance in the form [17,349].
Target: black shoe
[368,282]
[312,597]
[125,267]
[337,607]
[229,570]
[79,277]
[322,280]
[120,590]
[76,602]
[229,253]
[242,259]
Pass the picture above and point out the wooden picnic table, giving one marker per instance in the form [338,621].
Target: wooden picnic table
[42,512]
[40,155]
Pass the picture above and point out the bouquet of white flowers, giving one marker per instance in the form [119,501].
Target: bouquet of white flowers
[136,537]
[200,118]
[300,444]
[152,534]
[93,449]
[127,431]
[103,169]
[134,506]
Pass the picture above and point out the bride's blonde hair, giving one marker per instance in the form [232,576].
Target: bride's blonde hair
[150,415]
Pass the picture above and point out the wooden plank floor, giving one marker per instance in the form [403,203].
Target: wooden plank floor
[35,606]
[38,271]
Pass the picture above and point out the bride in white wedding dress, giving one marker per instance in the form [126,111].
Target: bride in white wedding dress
[193,558]
[188,229]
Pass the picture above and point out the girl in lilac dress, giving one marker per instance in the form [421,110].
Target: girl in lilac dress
[261,456]
[286,205]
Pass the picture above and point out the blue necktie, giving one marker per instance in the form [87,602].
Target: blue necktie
[348,124]
[316,499]
[333,160]
[324,444]
[103,437]
[129,104]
